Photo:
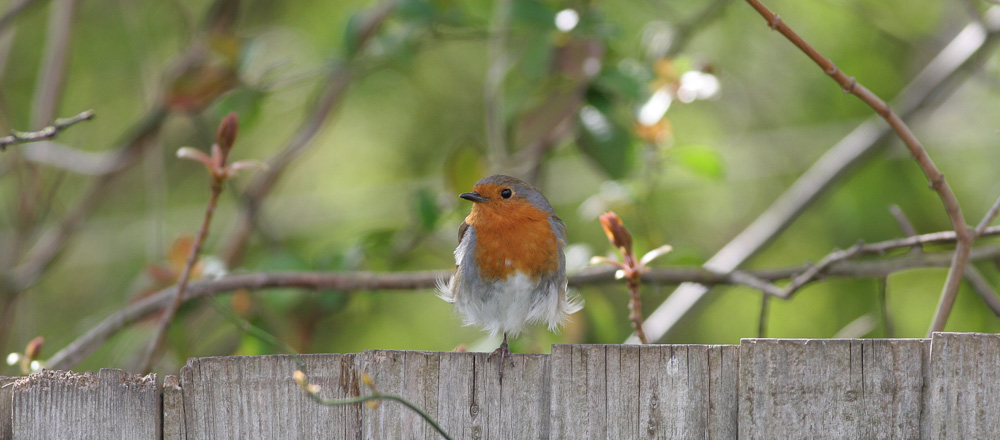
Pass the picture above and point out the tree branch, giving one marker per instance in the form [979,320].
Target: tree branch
[83,346]
[988,218]
[966,52]
[50,245]
[983,289]
[936,179]
[49,132]
[329,100]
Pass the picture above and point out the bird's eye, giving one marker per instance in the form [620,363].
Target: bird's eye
[506,193]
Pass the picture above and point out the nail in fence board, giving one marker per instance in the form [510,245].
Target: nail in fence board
[256,397]
[110,404]
[849,388]
[462,392]
[659,391]
[964,386]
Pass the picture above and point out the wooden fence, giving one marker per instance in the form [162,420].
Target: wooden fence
[946,387]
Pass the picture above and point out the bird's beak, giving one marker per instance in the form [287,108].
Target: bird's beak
[473,197]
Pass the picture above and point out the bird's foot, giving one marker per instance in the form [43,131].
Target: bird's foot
[504,352]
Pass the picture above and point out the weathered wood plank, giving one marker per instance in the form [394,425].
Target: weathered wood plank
[964,386]
[6,406]
[256,397]
[462,392]
[849,388]
[173,409]
[110,404]
[658,391]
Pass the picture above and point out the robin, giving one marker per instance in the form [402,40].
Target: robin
[511,267]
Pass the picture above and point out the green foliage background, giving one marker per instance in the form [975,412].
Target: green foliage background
[378,188]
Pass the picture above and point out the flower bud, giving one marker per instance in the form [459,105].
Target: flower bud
[34,348]
[615,229]
[226,135]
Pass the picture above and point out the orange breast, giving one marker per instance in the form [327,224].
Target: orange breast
[516,237]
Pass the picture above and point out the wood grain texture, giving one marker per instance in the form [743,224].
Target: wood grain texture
[462,392]
[110,404]
[655,391]
[255,397]
[849,388]
[964,386]
[6,406]
[173,409]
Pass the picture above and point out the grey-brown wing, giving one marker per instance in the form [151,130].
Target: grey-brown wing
[559,227]
[463,228]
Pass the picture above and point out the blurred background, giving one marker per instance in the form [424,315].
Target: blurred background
[687,118]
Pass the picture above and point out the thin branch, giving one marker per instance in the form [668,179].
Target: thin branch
[988,218]
[983,289]
[161,330]
[52,74]
[62,157]
[904,223]
[51,245]
[15,9]
[7,32]
[329,100]
[90,341]
[765,308]
[49,132]
[219,171]
[936,179]
[965,53]
[857,328]
[499,64]
[815,270]
[635,309]
[379,396]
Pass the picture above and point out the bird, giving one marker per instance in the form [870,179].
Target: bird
[510,264]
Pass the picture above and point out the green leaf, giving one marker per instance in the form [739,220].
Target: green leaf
[628,80]
[603,138]
[702,160]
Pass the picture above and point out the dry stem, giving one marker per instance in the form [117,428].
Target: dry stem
[936,179]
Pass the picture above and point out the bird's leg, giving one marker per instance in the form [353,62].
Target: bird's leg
[504,352]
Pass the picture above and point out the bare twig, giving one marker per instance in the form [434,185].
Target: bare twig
[49,132]
[52,74]
[15,9]
[936,179]
[90,341]
[328,101]
[983,289]
[499,64]
[50,245]
[857,328]
[988,218]
[765,308]
[312,391]
[902,220]
[217,169]
[968,50]
[62,157]
[7,32]
[815,270]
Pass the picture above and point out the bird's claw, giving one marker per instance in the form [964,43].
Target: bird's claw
[504,352]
